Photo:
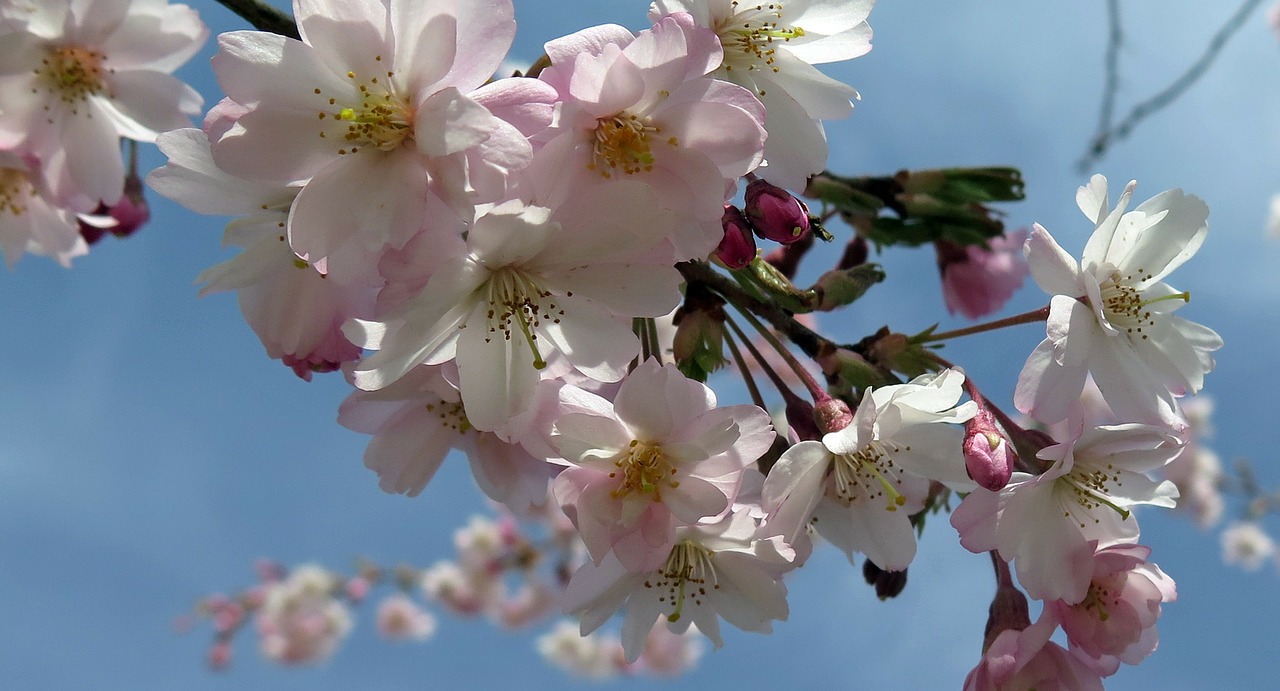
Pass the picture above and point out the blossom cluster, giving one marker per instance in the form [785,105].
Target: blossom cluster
[486,261]
[77,76]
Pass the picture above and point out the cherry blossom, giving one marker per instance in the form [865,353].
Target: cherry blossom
[1050,525]
[1116,621]
[1027,659]
[30,221]
[639,108]
[78,75]
[771,49]
[977,281]
[860,484]
[371,111]
[721,570]
[1246,544]
[1111,313]
[660,455]
[300,620]
[534,282]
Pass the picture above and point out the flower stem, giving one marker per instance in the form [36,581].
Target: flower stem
[1025,318]
[747,379]
[817,392]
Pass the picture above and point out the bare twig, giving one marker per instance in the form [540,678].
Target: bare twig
[1109,135]
[263,17]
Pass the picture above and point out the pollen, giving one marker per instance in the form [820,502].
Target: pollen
[868,474]
[15,191]
[518,307]
[451,415]
[1127,307]
[622,143]
[644,469]
[686,576]
[73,74]
[750,37]
[382,119]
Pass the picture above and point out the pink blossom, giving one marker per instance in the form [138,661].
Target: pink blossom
[400,619]
[639,108]
[1116,621]
[30,221]
[1049,525]
[301,621]
[715,571]
[660,455]
[977,281]
[1027,659]
[78,76]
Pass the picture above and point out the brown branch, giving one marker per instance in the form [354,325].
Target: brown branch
[809,341]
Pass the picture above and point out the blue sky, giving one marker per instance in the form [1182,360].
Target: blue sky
[149,452]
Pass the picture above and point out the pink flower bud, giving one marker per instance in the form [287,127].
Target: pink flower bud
[988,457]
[357,588]
[220,655]
[832,414]
[775,214]
[738,246]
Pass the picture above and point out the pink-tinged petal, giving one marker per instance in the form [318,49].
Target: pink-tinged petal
[1073,329]
[191,179]
[1046,390]
[437,313]
[448,122]
[792,490]
[933,451]
[607,84]
[424,53]
[347,34]
[511,233]
[407,452]
[589,41]
[694,500]
[526,103]
[254,67]
[976,518]
[496,376]
[160,42]
[655,400]
[265,147]
[485,31]
[506,473]
[146,104]
[372,197]
[1165,246]
[596,592]
[728,135]
[1055,271]
[592,440]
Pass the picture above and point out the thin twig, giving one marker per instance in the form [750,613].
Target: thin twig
[1111,83]
[263,17]
[1170,93]
[806,339]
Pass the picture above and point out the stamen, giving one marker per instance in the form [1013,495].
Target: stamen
[645,470]
[73,73]
[622,143]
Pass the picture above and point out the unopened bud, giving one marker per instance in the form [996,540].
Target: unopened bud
[988,457]
[698,345]
[840,288]
[832,414]
[775,214]
[738,246]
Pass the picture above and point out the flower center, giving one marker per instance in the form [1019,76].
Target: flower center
[868,473]
[1097,600]
[382,119]
[518,306]
[451,415]
[753,32]
[15,190]
[73,73]
[685,576]
[1090,489]
[1125,305]
[645,470]
[622,142]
